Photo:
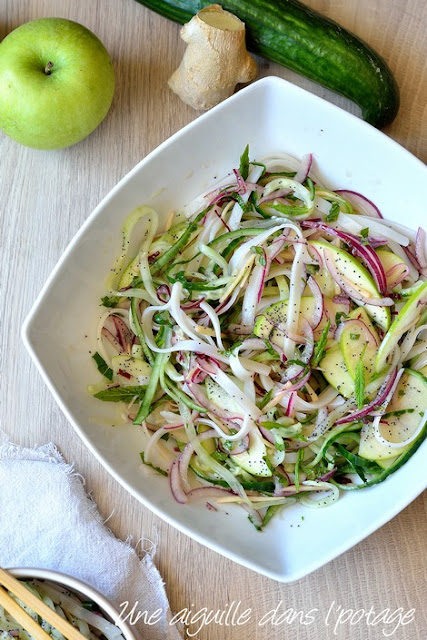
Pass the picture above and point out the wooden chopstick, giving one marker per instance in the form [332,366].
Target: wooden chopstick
[22,617]
[20,591]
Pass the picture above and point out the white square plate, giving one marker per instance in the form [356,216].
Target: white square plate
[271,115]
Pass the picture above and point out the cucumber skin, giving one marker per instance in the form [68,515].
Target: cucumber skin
[301,39]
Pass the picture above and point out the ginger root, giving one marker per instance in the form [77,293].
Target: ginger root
[215,60]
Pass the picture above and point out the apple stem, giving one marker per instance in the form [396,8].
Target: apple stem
[48,68]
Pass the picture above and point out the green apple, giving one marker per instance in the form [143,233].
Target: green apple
[389,261]
[56,83]
[335,371]
[266,323]
[403,417]
[358,277]
[407,317]
[358,344]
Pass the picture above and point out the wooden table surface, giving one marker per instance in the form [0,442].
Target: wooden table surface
[44,199]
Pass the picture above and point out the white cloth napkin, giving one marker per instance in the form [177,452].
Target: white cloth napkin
[48,521]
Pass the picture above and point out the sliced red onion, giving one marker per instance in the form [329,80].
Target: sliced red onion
[171,427]
[349,289]
[396,274]
[420,247]
[328,475]
[280,193]
[292,373]
[279,471]
[175,482]
[361,201]
[124,335]
[207,364]
[341,300]
[112,339]
[376,242]
[412,258]
[380,399]
[366,253]
[241,184]
[211,507]
[267,434]
[198,376]
[163,293]
[290,405]
[302,173]
[319,304]
[299,383]
[193,304]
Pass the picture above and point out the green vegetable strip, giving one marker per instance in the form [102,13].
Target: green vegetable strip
[159,363]
[168,256]
[319,349]
[136,326]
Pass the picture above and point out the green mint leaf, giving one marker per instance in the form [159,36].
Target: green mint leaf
[310,185]
[244,163]
[109,302]
[333,213]
[265,400]
[364,232]
[120,394]
[359,384]
[103,366]
[319,348]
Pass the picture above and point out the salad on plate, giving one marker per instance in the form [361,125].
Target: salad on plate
[84,615]
[270,341]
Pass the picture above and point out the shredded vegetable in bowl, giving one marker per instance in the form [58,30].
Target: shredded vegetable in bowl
[271,342]
[85,615]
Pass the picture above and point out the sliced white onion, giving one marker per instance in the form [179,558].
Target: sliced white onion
[318,298]
[296,287]
[385,228]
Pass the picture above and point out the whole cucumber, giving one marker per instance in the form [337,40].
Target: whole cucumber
[288,32]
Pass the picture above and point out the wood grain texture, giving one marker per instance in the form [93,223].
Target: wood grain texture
[45,197]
